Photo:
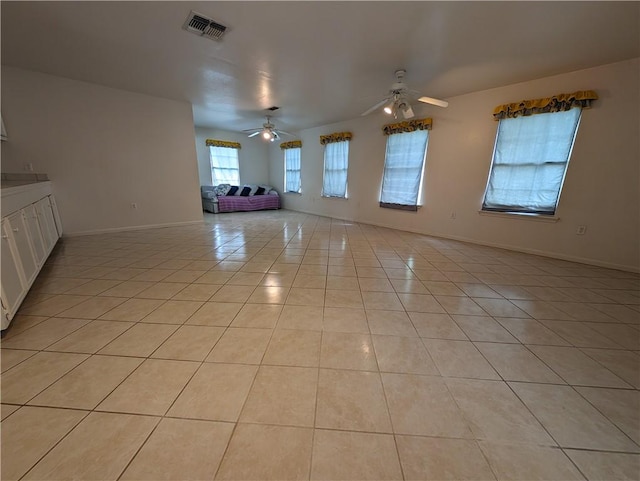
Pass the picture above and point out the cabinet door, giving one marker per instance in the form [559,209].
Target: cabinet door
[35,233]
[47,223]
[13,283]
[56,215]
[23,246]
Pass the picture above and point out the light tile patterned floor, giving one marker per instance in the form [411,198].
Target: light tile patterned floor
[279,345]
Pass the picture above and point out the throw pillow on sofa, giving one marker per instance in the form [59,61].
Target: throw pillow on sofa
[222,189]
[246,190]
[233,190]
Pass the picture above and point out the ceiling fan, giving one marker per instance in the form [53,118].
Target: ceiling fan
[398,100]
[268,131]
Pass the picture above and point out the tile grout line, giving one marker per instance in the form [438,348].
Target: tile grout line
[227,327]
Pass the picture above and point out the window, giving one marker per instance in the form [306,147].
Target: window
[336,165]
[225,168]
[292,181]
[530,160]
[403,170]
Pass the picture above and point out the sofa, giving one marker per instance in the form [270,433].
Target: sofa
[232,198]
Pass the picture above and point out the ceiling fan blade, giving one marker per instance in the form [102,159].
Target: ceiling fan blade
[254,134]
[252,130]
[285,133]
[432,101]
[379,104]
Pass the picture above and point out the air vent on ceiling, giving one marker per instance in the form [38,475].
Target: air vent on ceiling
[273,109]
[203,26]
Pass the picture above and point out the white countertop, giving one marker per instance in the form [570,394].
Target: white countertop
[17,194]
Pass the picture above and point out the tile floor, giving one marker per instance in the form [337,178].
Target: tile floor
[279,345]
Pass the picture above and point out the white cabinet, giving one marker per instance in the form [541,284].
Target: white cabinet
[48,226]
[56,215]
[18,230]
[13,284]
[35,233]
[30,229]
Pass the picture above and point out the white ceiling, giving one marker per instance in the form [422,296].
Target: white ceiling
[321,62]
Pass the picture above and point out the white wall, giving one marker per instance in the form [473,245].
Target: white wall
[253,156]
[601,190]
[103,149]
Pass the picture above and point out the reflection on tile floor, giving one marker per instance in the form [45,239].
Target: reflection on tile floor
[280,345]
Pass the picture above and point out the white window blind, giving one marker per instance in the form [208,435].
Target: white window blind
[403,169]
[292,180]
[225,168]
[530,160]
[336,165]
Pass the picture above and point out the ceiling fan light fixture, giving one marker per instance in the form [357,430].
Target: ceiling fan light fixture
[407,112]
[268,131]
[398,99]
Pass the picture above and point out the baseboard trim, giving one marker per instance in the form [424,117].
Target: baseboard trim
[524,250]
[132,228]
[551,255]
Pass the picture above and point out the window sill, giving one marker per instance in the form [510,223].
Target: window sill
[552,219]
[400,207]
[293,193]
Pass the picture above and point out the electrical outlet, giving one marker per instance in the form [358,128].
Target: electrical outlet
[582,229]
[134,205]
[453,215]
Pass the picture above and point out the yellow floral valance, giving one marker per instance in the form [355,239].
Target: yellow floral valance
[292,144]
[222,143]
[407,126]
[335,137]
[557,103]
